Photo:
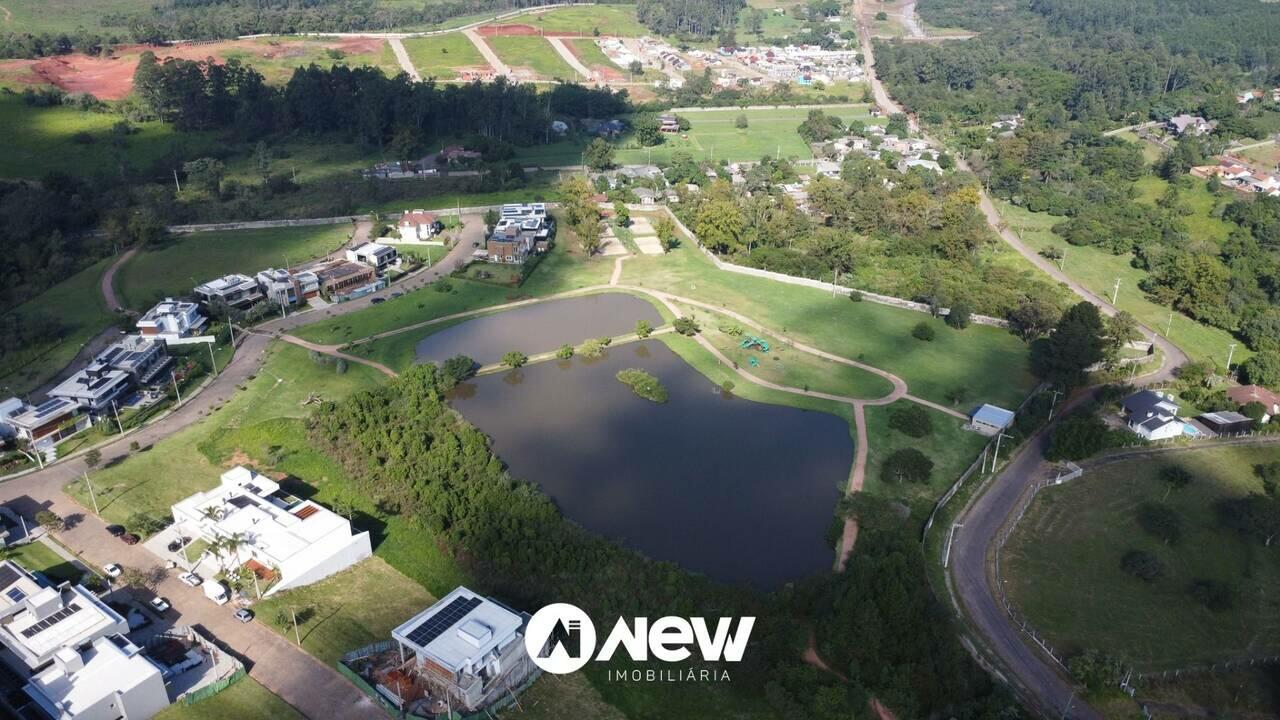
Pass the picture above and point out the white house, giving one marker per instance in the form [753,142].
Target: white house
[282,539]
[172,319]
[234,290]
[376,255]
[9,409]
[37,621]
[416,225]
[469,645]
[44,425]
[107,680]
[1152,415]
[286,287]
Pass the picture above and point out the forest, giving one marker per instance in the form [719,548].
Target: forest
[884,632]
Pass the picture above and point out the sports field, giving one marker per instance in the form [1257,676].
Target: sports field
[1063,564]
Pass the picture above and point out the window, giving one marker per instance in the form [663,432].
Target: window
[16,595]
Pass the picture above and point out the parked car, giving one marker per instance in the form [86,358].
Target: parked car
[115,530]
[244,615]
[113,570]
[159,604]
[397,294]
[190,579]
[177,544]
[377,301]
[130,539]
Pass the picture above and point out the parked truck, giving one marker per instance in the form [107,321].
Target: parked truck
[216,591]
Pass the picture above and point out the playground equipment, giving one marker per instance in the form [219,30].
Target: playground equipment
[752,341]
[751,360]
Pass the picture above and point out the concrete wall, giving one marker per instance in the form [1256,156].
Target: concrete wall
[324,562]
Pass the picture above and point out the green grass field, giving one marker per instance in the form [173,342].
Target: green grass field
[191,259]
[40,140]
[245,700]
[38,557]
[1063,564]
[1203,223]
[1267,155]
[40,16]
[949,446]
[618,20]
[1098,269]
[712,136]
[78,305]
[531,53]
[441,56]
[277,57]
[335,615]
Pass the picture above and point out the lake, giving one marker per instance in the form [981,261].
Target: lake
[738,490]
[540,327]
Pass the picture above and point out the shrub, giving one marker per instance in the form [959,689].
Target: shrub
[686,326]
[515,359]
[960,316]
[923,331]
[643,329]
[591,349]
[1213,594]
[643,384]
[1160,521]
[855,296]
[442,285]
[49,520]
[456,369]
[907,464]
[340,367]
[145,524]
[911,420]
[1142,565]
[565,352]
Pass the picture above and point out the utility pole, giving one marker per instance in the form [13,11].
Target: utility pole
[174,377]
[116,412]
[296,636]
[995,457]
[212,362]
[92,496]
[1115,292]
[1052,404]
[1062,261]
[175,180]
[1168,328]
[1231,350]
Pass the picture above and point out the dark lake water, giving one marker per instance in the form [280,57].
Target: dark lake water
[538,328]
[738,490]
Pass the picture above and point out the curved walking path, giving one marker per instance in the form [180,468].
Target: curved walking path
[567,55]
[107,283]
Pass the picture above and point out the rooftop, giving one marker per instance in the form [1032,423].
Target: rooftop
[168,306]
[994,416]
[226,284]
[44,413]
[35,621]
[459,630]
[78,680]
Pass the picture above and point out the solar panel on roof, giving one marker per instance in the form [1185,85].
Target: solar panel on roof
[52,620]
[435,626]
[8,576]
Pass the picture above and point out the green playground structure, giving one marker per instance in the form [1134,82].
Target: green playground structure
[752,341]
[751,360]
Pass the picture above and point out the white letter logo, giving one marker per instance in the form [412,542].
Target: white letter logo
[560,638]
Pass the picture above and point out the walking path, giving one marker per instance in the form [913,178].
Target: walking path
[335,351]
[109,277]
[490,56]
[402,56]
[569,57]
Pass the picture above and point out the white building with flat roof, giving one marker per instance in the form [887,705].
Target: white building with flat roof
[283,539]
[37,621]
[234,290]
[108,680]
[171,319]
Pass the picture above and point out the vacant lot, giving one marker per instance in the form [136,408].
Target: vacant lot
[1063,564]
[189,260]
[53,16]
[617,20]
[949,446]
[531,53]
[445,56]
[246,700]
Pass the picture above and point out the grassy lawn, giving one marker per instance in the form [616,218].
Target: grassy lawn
[245,700]
[949,446]
[198,257]
[617,20]
[39,140]
[554,697]
[1063,564]
[1203,222]
[1267,155]
[277,57]
[441,55]
[785,366]
[990,362]
[154,479]
[53,16]
[38,557]
[1098,269]
[711,136]
[77,304]
[533,53]
[336,616]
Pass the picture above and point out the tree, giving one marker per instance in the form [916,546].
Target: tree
[515,359]
[1176,477]
[1142,565]
[565,352]
[906,465]
[591,349]
[686,326]
[1096,670]
[636,67]
[911,420]
[456,369]
[643,328]
[1256,516]
[1077,437]
[666,231]
[621,213]
[599,154]
[1216,595]
[741,122]
[1261,369]
[92,458]
[148,579]
[145,524]
[923,331]
[51,521]
[1033,318]
[959,316]
[1076,344]
[719,224]
[1160,521]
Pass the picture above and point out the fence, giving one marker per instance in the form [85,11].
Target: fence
[244,225]
[214,688]
[821,284]
[1073,471]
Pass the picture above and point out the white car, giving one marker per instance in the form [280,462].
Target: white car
[190,579]
[113,570]
[159,604]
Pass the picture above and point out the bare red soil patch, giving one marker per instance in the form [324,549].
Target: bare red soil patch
[491,30]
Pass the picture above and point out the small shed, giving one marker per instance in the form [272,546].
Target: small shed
[1226,422]
[990,419]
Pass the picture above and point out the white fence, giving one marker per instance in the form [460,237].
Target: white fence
[250,224]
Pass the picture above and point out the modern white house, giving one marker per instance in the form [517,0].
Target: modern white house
[287,287]
[469,645]
[44,425]
[234,290]
[95,388]
[1152,415]
[286,542]
[108,680]
[376,255]
[416,225]
[172,319]
[10,408]
[37,621]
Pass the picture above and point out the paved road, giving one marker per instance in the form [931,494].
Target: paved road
[402,56]
[312,687]
[109,278]
[567,55]
[490,56]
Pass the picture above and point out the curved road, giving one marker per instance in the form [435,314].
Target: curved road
[970,576]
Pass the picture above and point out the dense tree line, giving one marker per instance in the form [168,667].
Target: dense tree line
[882,630]
[691,18]
[361,104]
[921,238]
